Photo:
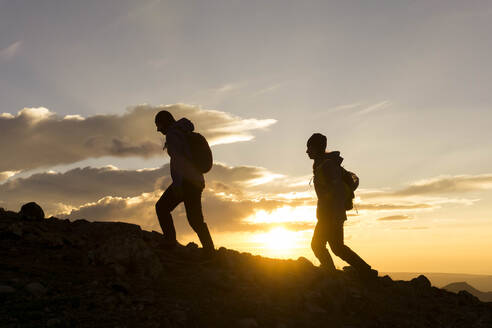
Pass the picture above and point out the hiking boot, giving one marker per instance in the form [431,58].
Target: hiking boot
[330,271]
[366,273]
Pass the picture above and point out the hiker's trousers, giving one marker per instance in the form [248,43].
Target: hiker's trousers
[331,232]
[191,196]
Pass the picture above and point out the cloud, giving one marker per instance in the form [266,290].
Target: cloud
[393,207]
[437,186]
[139,210]
[448,184]
[264,227]
[361,108]
[345,107]
[41,138]
[375,107]
[429,194]
[221,213]
[10,51]
[60,192]
[7,174]
[395,218]
[270,88]
[112,194]
[81,185]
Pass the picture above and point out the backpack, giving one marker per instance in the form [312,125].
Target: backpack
[351,182]
[201,152]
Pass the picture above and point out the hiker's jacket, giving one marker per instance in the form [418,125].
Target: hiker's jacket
[329,187]
[179,151]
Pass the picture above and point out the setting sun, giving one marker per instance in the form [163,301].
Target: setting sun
[304,214]
[277,239]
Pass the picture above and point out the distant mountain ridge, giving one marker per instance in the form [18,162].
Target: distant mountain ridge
[440,279]
[456,287]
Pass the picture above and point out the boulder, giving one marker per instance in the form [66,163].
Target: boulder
[421,282]
[31,211]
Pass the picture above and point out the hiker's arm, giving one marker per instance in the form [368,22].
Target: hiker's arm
[177,157]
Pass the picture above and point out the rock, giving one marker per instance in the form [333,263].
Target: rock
[120,288]
[313,307]
[192,245]
[128,254]
[6,289]
[310,302]
[36,288]
[32,211]
[53,322]
[17,229]
[247,323]
[305,262]
[421,282]
[179,316]
[386,280]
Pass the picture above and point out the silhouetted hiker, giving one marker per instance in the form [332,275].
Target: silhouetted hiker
[330,210]
[187,175]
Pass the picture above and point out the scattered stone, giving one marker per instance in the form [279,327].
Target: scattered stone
[36,288]
[247,323]
[179,316]
[16,229]
[53,322]
[120,288]
[6,289]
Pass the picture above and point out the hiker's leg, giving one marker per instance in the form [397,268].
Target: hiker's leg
[164,206]
[335,239]
[318,245]
[193,204]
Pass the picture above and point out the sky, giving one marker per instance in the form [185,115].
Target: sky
[401,88]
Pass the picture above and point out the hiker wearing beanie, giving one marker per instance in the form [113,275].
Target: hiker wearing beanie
[187,168]
[331,207]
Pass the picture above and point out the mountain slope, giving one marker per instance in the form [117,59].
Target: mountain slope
[57,273]
[456,287]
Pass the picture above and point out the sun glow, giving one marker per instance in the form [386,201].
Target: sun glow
[277,239]
[285,214]
[290,230]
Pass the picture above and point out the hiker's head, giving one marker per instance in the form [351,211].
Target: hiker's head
[163,120]
[316,145]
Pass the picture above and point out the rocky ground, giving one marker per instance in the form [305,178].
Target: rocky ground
[57,273]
